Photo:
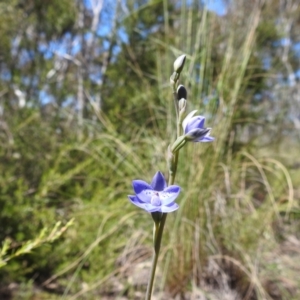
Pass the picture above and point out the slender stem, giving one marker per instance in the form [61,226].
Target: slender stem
[152,275]
[158,234]
[173,169]
[176,104]
[176,108]
[154,260]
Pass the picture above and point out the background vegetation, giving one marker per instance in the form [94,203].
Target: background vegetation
[86,107]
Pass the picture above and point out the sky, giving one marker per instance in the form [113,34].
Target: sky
[217,6]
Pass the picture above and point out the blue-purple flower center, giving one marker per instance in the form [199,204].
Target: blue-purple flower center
[155,200]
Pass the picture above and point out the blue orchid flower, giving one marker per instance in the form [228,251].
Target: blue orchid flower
[194,130]
[155,197]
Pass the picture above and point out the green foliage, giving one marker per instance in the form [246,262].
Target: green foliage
[8,26]
[46,16]
[45,236]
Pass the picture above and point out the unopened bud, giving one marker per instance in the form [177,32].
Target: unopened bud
[182,105]
[179,63]
[181,92]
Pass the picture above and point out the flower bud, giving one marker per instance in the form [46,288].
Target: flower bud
[181,92]
[182,105]
[179,63]
[181,108]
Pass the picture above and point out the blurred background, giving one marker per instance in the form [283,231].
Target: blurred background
[86,107]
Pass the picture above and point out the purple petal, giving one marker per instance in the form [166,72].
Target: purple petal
[146,206]
[158,182]
[207,139]
[143,190]
[168,195]
[169,208]
[187,119]
[194,123]
[197,134]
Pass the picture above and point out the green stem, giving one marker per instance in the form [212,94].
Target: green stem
[159,229]
[157,242]
[176,104]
